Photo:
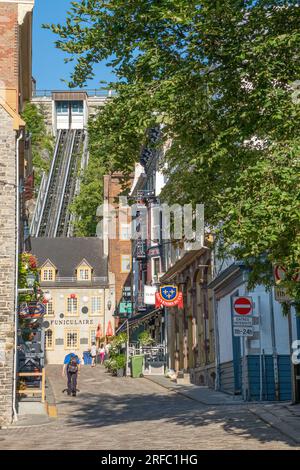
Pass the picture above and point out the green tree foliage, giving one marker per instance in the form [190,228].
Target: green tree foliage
[41,140]
[218,75]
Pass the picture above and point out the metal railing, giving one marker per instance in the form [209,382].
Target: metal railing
[75,279]
[89,92]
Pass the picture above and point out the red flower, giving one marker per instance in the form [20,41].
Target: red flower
[32,262]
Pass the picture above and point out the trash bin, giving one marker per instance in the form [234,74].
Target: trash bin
[137,366]
[87,359]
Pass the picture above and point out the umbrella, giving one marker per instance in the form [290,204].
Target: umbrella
[99,332]
[109,331]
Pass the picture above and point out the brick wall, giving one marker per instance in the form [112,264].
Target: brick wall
[8,45]
[7,263]
[117,248]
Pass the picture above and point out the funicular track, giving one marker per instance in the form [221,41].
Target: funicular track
[54,219]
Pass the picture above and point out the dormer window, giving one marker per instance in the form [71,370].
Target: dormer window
[84,274]
[84,271]
[48,272]
[48,275]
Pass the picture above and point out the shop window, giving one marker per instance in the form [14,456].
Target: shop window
[49,340]
[49,309]
[92,337]
[71,339]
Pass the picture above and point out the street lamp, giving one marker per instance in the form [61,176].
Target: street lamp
[109,304]
[30,280]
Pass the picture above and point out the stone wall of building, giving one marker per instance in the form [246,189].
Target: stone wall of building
[7,262]
[45,105]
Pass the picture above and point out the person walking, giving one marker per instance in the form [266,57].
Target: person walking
[94,354]
[102,353]
[107,350]
[71,368]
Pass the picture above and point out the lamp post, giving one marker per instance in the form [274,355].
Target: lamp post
[30,280]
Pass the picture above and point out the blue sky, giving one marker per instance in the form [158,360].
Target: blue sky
[48,62]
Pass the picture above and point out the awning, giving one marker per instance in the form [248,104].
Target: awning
[138,319]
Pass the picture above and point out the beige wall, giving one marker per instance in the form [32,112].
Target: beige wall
[83,322]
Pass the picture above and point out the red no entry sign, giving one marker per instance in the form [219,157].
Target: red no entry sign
[242,306]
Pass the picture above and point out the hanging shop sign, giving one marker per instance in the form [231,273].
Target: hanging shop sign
[125,309]
[32,310]
[149,295]
[169,296]
[280,274]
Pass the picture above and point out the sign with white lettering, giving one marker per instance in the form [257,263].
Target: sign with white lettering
[242,306]
[243,331]
[242,321]
[149,295]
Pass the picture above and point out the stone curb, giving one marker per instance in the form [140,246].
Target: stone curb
[50,403]
[178,389]
[277,423]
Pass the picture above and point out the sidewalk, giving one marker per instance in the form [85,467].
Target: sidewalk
[30,414]
[282,416]
[35,413]
[203,395]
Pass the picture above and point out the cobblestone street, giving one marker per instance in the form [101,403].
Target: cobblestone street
[114,413]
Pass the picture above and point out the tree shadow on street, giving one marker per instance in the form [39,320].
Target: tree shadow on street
[105,410]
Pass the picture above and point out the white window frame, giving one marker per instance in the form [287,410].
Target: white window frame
[125,271]
[125,232]
[70,313]
[72,347]
[48,274]
[97,313]
[47,309]
[47,347]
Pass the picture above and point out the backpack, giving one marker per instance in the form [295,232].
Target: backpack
[73,366]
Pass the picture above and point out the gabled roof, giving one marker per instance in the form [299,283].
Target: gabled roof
[67,253]
[83,262]
[47,262]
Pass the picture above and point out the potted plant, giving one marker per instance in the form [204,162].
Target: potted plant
[120,364]
[110,364]
[145,338]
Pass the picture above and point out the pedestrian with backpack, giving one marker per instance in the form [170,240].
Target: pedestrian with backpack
[71,368]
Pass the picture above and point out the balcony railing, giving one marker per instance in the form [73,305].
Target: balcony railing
[67,280]
[89,92]
[141,249]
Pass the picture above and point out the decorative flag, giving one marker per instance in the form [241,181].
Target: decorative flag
[169,296]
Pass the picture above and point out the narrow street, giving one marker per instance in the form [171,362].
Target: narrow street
[124,413]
